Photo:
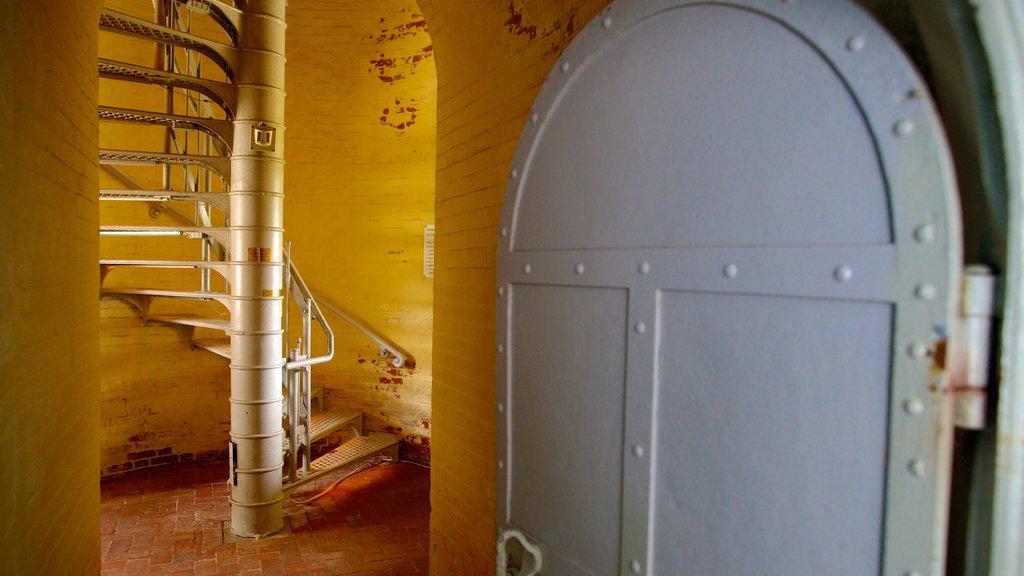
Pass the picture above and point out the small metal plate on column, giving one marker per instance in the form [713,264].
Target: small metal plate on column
[263,138]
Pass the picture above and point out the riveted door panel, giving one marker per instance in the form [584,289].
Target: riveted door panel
[724,289]
[765,456]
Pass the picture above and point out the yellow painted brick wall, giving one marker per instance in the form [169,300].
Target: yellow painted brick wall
[361,136]
[492,57]
[49,369]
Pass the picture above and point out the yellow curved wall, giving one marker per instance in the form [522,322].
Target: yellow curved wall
[49,333]
[492,58]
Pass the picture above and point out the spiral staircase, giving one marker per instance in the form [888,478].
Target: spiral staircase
[196,111]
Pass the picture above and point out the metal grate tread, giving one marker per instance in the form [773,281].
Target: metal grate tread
[165,293]
[183,230]
[222,129]
[349,452]
[220,200]
[219,92]
[324,423]
[219,346]
[219,164]
[220,234]
[192,320]
[354,450]
[165,264]
[114,21]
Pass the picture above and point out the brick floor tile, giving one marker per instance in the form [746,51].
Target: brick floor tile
[172,520]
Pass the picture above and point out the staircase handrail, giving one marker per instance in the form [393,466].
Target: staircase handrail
[308,304]
[388,348]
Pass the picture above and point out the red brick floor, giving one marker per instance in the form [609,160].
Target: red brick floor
[173,520]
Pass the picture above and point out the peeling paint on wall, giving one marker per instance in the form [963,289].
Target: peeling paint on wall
[399,49]
[400,116]
[558,32]
[515,23]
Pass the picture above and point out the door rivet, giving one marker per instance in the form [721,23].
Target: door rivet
[645,268]
[640,327]
[501,290]
[527,268]
[635,566]
[843,274]
[504,232]
[501,464]
[917,468]
[917,350]
[534,117]
[579,269]
[855,43]
[638,451]
[565,66]
[501,348]
[501,407]
[607,22]
[925,233]
[903,128]
[730,270]
[515,173]
[913,406]
[926,292]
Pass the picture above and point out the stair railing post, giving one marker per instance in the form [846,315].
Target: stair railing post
[307,419]
[293,386]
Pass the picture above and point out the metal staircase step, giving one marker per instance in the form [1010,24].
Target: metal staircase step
[219,346]
[154,293]
[192,320]
[324,423]
[219,234]
[219,164]
[222,94]
[220,267]
[221,201]
[114,21]
[220,129]
[352,451]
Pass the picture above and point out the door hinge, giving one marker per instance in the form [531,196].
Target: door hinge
[970,378]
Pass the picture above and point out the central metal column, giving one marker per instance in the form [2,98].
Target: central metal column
[256,256]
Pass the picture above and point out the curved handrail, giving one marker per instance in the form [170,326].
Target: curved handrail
[400,356]
[307,302]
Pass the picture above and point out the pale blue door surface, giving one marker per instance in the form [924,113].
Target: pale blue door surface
[726,272]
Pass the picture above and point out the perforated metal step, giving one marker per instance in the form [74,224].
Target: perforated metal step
[222,55]
[220,93]
[220,201]
[219,234]
[354,450]
[324,423]
[220,267]
[221,129]
[219,346]
[186,295]
[192,320]
[219,164]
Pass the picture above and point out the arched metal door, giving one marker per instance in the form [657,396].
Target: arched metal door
[726,274]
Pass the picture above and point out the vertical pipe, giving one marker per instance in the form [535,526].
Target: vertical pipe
[256,257]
